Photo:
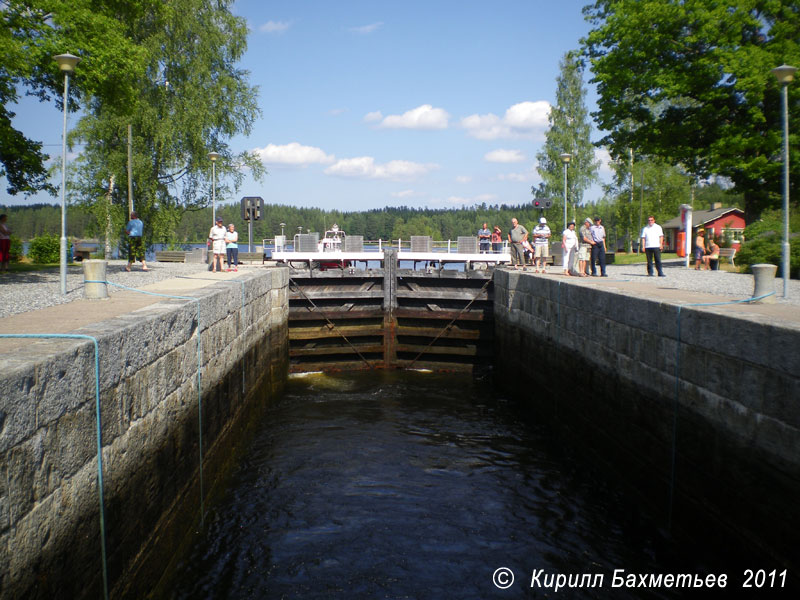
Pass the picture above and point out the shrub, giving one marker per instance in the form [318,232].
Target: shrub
[764,243]
[16,252]
[45,249]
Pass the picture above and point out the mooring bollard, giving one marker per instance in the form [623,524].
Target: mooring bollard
[764,282]
[95,270]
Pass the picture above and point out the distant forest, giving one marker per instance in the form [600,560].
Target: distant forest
[27,222]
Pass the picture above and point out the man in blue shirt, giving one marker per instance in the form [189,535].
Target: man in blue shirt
[134,229]
[485,239]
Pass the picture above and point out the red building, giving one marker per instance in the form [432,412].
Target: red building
[714,221]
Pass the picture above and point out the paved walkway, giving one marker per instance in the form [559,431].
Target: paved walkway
[69,317]
[681,286]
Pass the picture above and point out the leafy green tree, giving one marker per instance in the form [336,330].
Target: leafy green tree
[764,242]
[689,81]
[568,133]
[31,33]
[191,100]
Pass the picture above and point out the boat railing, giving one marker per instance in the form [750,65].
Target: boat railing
[281,244]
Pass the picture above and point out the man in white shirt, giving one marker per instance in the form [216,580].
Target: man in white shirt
[541,245]
[653,242]
[599,247]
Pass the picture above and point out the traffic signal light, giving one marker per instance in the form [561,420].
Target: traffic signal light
[537,204]
[251,208]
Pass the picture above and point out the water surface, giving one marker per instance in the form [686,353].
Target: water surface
[412,485]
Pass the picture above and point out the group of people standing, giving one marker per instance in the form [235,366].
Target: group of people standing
[490,240]
[224,241]
[221,241]
[586,247]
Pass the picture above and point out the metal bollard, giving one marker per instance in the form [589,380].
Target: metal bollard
[764,282]
[95,270]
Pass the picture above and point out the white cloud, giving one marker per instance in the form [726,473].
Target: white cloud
[335,112]
[422,117]
[294,155]
[463,179]
[603,155]
[405,194]
[373,116]
[505,156]
[524,119]
[366,29]
[274,27]
[520,177]
[364,167]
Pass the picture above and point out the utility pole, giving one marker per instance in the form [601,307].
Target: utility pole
[130,169]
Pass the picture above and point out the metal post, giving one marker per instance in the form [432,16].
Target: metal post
[785,266]
[565,195]
[63,246]
[130,169]
[785,75]
[213,192]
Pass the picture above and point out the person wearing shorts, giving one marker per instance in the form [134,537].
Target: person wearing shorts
[216,237]
[699,249]
[541,245]
[585,248]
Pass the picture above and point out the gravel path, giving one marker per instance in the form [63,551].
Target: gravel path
[733,286]
[23,292]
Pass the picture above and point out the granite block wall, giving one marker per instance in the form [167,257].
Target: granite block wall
[721,403]
[236,334]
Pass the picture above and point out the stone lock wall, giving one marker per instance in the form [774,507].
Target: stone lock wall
[50,543]
[604,367]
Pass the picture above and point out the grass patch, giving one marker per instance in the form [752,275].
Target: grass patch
[623,258]
[26,266]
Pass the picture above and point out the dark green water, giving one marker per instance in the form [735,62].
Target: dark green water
[411,485]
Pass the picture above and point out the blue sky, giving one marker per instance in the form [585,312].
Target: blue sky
[370,104]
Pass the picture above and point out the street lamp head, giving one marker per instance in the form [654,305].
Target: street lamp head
[784,74]
[565,158]
[67,62]
[213,156]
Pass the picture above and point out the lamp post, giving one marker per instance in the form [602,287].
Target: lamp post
[213,156]
[785,75]
[67,63]
[565,158]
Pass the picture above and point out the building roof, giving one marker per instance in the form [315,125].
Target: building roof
[702,217]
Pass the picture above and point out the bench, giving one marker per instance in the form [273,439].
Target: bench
[83,252]
[250,257]
[728,253]
[171,256]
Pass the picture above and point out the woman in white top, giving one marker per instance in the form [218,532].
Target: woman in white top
[569,242]
[217,238]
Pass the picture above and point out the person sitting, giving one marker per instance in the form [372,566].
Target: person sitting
[713,254]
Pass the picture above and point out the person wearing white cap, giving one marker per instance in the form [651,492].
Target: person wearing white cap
[541,245]
[216,237]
